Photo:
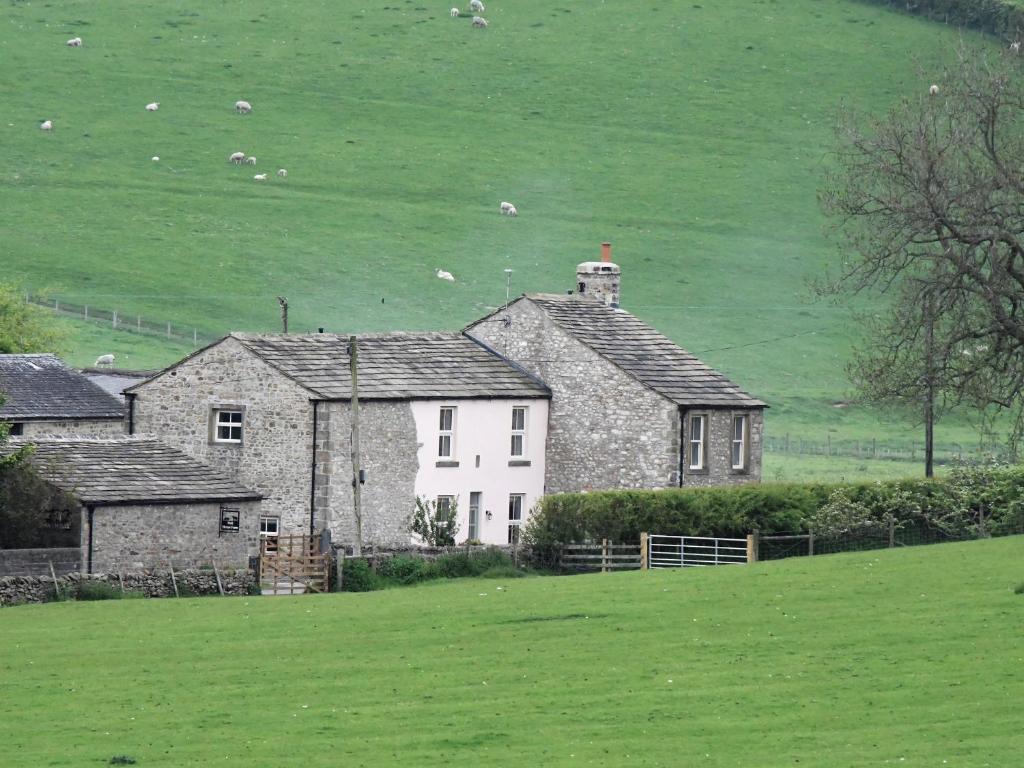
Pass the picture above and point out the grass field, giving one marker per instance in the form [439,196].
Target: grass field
[693,136]
[902,657]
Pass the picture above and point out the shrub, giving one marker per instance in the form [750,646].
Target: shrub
[97,590]
[357,576]
[1019,589]
[403,569]
[503,572]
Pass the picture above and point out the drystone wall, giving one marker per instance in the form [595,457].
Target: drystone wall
[15,590]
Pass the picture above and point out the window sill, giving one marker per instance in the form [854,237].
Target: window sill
[446,464]
[690,471]
[739,471]
[520,463]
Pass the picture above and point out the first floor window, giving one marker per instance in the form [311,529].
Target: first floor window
[227,426]
[446,434]
[697,437]
[740,426]
[515,517]
[518,432]
[270,528]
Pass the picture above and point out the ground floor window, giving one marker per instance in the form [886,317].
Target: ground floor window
[474,516]
[16,430]
[515,516]
[270,529]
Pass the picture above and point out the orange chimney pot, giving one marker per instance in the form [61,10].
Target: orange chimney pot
[606,251]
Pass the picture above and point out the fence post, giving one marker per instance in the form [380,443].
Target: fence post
[604,555]
[168,330]
[892,531]
[644,565]
[752,546]
[828,443]
[810,543]
[114,315]
[86,311]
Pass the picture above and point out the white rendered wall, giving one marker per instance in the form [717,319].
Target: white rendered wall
[483,443]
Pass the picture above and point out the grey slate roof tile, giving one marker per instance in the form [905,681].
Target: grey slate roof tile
[42,387]
[128,470]
[642,352]
[396,366]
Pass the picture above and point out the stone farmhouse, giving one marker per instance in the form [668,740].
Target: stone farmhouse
[44,397]
[441,417]
[629,407]
[142,504]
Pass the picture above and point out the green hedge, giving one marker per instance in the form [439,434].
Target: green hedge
[997,17]
[777,507]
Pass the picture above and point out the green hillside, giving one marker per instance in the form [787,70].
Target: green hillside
[693,136]
[897,657]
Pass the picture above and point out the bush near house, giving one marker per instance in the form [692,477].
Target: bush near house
[997,17]
[970,501]
[402,570]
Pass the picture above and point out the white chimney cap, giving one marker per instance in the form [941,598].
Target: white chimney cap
[598,268]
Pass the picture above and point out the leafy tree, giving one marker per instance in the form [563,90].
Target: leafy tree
[25,327]
[437,524]
[929,203]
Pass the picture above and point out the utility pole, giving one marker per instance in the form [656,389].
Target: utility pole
[283,301]
[929,405]
[357,508]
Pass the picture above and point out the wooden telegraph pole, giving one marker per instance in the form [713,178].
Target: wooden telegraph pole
[353,358]
[283,301]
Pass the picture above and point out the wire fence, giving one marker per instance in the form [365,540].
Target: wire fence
[874,449]
[131,323]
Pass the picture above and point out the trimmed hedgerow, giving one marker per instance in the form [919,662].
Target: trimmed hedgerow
[402,570]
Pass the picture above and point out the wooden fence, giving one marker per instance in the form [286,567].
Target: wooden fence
[604,557]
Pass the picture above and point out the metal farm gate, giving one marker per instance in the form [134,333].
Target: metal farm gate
[694,551]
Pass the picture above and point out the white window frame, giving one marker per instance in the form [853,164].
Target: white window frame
[520,433]
[697,448]
[270,535]
[230,425]
[473,532]
[444,502]
[446,434]
[740,442]
[516,502]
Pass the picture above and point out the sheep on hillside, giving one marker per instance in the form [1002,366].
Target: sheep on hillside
[476,6]
[46,125]
[243,107]
[455,13]
[934,90]
[153,106]
[446,275]
[512,211]
[1015,46]
[282,173]
[505,206]
[479,21]
[75,42]
[104,361]
[237,158]
[250,160]
[260,177]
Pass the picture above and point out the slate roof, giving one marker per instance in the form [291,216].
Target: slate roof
[129,470]
[395,366]
[642,352]
[42,387]
[115,381]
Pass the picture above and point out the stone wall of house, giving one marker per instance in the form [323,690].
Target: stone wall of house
[606,430]
[133,537]
[15,590]
[388,446]
[74,428]
[275,454]
[719,450]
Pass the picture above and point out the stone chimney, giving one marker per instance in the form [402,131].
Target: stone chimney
[599,279]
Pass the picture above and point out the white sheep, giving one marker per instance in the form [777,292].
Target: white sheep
[156,159]
[446,276]
[476,6]
[455,13]
[505,206]
[46,125]
[75,42]
[260,177]
[243,107]
[512,211]
[237,158]
[934,90]
[282,173]
[153,106]
[104,360]
[1015,46]
[250,160]
[479,21]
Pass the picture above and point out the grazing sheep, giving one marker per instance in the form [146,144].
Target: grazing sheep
[1015,46]
[479,21]
[153,106]
[445,276]
[260,177]
[250,160]
[237,158]
[46,125]
[282,173]
[104,361]
[476,6]
[934,90]
[75,42]
[455,13]
[243,107]
[155,159]
[506,206]
[512,211]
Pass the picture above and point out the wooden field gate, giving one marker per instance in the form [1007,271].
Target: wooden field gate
[603,556]
[293,564]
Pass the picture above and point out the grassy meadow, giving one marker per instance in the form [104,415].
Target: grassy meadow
[895,657]
[693,136]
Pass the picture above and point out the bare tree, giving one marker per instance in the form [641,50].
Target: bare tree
[929,203]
